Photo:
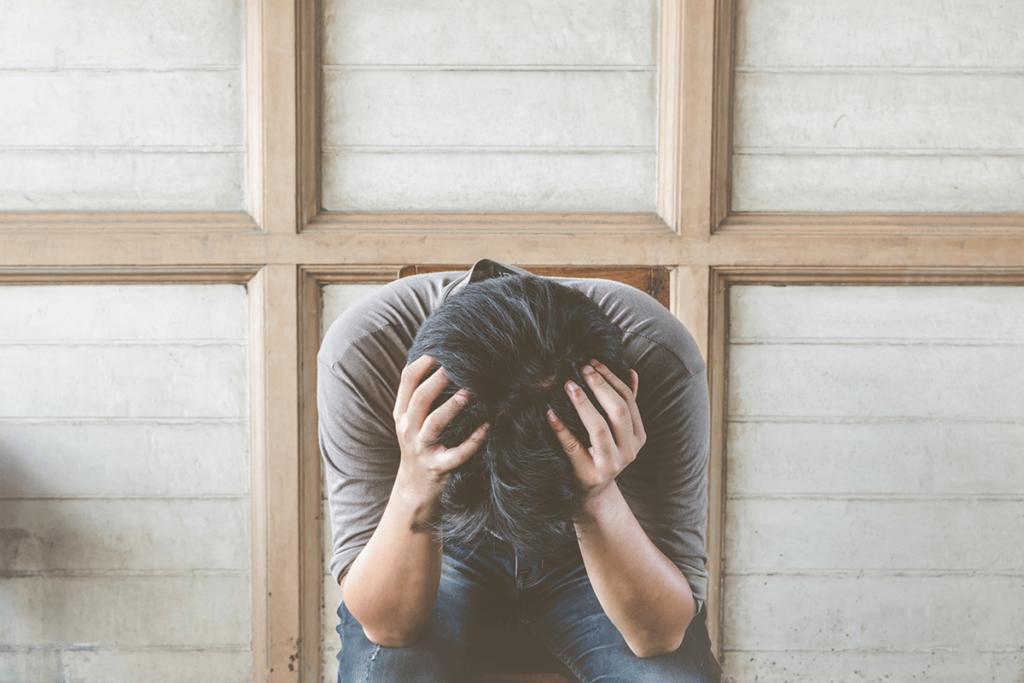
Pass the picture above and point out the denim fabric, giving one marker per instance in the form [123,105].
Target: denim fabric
[495,611]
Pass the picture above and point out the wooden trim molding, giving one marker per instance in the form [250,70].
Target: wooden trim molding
[686,90]
[126,222]
[817,224]
[310,475]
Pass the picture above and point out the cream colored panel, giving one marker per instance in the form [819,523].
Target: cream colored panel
[109,107]
[519,32]
[912,457]
[426,180]
[76,313]
[923,183]
[336,299]
[967,314]
[124,483]
[463,106]
[489,109]
[857,613]
[876,381]
[874,483]
[878,107]
[185,109]
[876,532]
[898,113]
[55,34]
[835,667]
[127,381]
[150,458]
[89,180]
[879,33]
[127,535]
[88,664]
[129,611]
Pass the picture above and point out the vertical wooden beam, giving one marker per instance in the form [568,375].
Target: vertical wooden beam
[691,302]
[254,147]
[670,102]
[721,137]
[696,117]
[274,377]
[272,118]
[718,341]
[309,22]
[311,561]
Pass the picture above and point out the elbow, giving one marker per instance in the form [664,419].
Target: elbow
[391,637]
[654,644]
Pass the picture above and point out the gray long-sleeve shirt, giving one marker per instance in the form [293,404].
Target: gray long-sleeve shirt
[359,370]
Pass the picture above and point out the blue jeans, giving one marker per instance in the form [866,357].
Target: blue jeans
[494,610]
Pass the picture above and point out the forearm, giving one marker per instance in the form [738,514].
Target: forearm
[392,584]
[641,590]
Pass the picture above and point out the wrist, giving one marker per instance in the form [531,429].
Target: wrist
[600,507]
[415,498]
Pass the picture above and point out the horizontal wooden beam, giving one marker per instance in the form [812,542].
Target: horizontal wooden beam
[235,248]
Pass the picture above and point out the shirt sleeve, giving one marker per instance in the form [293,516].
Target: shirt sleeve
[666,486]
[357,379]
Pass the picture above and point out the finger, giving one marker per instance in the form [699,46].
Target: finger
[445,413]
[412,375]
[627,393]
[453,457]
[601,437]
[638,424]
[424,396]
[578,455]
[615,405]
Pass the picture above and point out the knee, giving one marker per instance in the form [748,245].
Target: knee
[363,661]
[376,664]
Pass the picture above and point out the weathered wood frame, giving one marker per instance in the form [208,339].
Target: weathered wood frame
[284,248]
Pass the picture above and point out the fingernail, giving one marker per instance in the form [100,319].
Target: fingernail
[572,387]
[552,418]
[597,363]
[587,370]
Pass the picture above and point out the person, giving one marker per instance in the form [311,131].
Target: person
[511,457]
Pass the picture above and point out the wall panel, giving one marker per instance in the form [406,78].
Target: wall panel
[111,107]
[520,106]
[874,484]
[124,483]
[842,107]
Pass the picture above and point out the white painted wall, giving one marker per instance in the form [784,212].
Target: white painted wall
[336,299]
[526,105]
[124,484]
[875,484]
[110,105]
[879,106]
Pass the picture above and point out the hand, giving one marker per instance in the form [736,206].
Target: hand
[615,442]
[425,464]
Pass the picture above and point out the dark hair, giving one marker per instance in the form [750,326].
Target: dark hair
[513,342]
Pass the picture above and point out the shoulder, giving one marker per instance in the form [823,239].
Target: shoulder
[389,317]
[651,334]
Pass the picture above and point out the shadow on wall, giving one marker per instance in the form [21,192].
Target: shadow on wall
[34,600]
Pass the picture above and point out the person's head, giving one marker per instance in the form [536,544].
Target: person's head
[513,342]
